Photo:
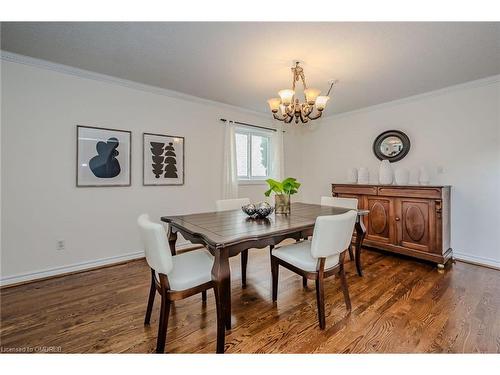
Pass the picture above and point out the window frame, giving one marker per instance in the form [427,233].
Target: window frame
[249,179]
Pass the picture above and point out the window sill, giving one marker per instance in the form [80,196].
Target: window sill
[251,182]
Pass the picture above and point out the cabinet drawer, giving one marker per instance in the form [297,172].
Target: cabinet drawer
[368,190]
[420,192]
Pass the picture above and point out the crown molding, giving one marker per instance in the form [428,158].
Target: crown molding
[87,74]
[491,80]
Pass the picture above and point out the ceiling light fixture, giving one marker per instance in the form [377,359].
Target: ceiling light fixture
[288,106]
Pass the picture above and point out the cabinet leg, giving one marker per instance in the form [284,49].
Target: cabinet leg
[440,266]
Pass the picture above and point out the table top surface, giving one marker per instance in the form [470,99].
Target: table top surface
[229,227]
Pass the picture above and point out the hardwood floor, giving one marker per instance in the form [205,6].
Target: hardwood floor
[399,306]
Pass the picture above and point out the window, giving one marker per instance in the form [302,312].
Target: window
[252,154]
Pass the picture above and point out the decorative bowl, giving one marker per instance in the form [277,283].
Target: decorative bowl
[258,211]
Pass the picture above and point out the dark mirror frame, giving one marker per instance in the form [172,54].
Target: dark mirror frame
[391,133]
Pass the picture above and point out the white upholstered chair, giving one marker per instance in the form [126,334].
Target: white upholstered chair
[351,203]
[321,257]
[174,277]
[236,204]
[340,202]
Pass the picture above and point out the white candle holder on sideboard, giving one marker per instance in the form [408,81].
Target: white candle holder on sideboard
[352,175]
[363,176]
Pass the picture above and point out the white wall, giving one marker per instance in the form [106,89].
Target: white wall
[457,129]
[41,205]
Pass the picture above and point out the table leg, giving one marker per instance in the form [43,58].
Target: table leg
[244,262]
[360,235]
[221,327]
[172,239]
[221,275]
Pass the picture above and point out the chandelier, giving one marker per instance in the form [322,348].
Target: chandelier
[288,106]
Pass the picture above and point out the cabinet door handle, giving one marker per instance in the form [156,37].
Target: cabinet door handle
[397,218]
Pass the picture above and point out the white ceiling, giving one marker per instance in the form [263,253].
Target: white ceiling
[244,64]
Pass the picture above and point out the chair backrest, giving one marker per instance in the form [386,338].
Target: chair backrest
[155,243]
[230,204]
[332,234]
[340,202]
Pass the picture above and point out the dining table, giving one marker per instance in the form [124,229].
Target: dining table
[227,233]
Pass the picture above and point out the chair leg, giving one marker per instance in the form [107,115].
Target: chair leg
[345,289]
[221,325]
[351,254]
[162,328]
[320,300]
[151,300]
[204,296]
[304,281]
[275,274]
[244,261]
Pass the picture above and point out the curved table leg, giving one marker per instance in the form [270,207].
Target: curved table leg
[360,235]
[221,275]
[244,262]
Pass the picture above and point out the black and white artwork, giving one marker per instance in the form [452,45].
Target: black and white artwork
[163,159]
[103,157]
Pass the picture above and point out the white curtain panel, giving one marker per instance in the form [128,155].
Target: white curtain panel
[278,159]
[229,172]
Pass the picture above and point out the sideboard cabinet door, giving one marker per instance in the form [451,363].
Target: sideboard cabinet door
[415,223]
[379,225]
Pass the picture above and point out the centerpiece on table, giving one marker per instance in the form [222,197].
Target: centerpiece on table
[282,191]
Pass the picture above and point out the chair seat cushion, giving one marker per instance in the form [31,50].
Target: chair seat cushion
[299,255]
[191,269]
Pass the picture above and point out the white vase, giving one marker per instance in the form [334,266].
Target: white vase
[385,175]
[352,175]
[423,178]
[363,175]
[402,176]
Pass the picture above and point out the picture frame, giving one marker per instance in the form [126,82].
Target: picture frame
[103,157]
[163,160]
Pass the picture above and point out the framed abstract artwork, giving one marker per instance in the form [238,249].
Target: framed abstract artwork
[163,159]
[103,157]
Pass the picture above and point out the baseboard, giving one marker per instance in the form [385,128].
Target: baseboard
[77,267]
[479,261]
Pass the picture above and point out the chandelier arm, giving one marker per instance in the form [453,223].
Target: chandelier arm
[279,118]
[317,116]
[303,118]
[308,110]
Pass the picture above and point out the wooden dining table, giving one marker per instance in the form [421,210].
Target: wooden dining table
[226,234]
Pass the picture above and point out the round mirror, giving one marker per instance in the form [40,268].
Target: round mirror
[391,145]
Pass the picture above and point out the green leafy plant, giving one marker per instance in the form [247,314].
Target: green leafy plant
[288,186]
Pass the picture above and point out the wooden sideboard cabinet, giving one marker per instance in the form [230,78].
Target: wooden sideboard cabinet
[409,220]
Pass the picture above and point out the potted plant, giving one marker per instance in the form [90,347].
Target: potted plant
[282,191]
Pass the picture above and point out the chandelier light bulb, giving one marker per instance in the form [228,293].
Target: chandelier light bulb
[286,96]
[321,102]
[283,109]
[311,95]
[274,104]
